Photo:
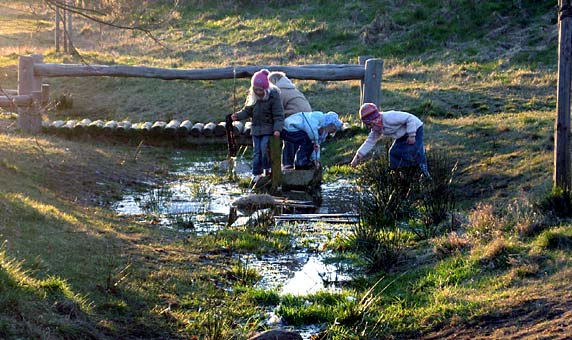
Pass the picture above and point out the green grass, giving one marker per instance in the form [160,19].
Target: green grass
[481,75]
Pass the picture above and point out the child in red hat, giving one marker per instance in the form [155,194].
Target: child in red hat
[407,130]
[264,106]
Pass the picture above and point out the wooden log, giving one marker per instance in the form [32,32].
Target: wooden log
[146,127]
[220,129]
[70,124]
[172,126]
[13,102]
[305,72]
[328,218]
[247,128]
[68,128]
[110,127]
[208,130]
[57,124]
[238,127]
[158,127]
[95,127]
[82,125]
[197,129]
[124,127]
[185,128]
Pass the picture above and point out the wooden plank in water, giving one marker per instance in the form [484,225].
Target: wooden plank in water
[327,218]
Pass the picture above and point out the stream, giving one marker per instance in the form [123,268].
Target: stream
[199,206]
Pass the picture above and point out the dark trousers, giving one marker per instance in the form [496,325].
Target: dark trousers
[302,143]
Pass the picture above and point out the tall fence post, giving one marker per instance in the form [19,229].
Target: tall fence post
[276,162]
[361,61]
[37,80]
[562,156]
[29,118]
[372,81]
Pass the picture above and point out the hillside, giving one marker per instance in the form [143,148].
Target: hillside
[480,74]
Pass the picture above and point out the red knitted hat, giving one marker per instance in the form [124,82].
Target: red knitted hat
[260,79]
[368,112]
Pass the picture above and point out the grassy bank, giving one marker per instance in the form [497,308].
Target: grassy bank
[481,75]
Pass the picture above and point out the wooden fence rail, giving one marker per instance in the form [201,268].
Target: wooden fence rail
[305,72]
[32,69]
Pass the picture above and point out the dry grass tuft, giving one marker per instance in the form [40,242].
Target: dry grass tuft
[451,244]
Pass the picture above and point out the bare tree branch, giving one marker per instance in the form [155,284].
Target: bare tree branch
[92,15]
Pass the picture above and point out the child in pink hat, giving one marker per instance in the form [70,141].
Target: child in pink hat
[264,106]
[407,130]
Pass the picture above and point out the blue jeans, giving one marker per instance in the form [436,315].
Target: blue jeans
[302,143]
[261,156]
[402,154]
[288,153]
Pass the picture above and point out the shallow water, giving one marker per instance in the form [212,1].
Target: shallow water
[190,203]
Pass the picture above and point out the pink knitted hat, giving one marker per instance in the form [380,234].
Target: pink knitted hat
[368,112]
[260,79]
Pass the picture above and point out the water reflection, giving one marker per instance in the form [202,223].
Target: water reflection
[198,200]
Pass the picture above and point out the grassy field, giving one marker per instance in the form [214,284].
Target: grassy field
[481,75]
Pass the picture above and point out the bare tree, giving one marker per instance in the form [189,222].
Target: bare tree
[136,15]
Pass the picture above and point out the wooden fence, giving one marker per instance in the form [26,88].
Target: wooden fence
[32,93]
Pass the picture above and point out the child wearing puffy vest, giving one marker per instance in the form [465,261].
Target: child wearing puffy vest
[405,128]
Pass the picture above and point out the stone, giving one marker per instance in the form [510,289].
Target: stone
[277,334]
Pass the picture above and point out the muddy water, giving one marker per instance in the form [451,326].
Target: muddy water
[198,200]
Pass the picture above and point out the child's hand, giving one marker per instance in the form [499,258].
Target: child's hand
[234,116]
[411,140]
[276,133]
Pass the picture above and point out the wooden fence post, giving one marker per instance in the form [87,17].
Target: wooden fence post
[372,81]
[562,156]
[29,118]
[276,162]
[25,75]
[37,80]
[361,61]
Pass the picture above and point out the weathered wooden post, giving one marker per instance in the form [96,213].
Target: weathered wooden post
[29,118]
[372,81]
[562,156]
[276,162]
[37,80]
[361,61]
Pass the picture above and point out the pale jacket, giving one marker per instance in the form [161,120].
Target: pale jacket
[293,100]
[395,124]
[309,122]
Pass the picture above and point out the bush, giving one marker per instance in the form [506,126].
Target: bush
[437,197]
[558,202]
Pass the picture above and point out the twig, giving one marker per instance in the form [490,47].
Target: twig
[43,153]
